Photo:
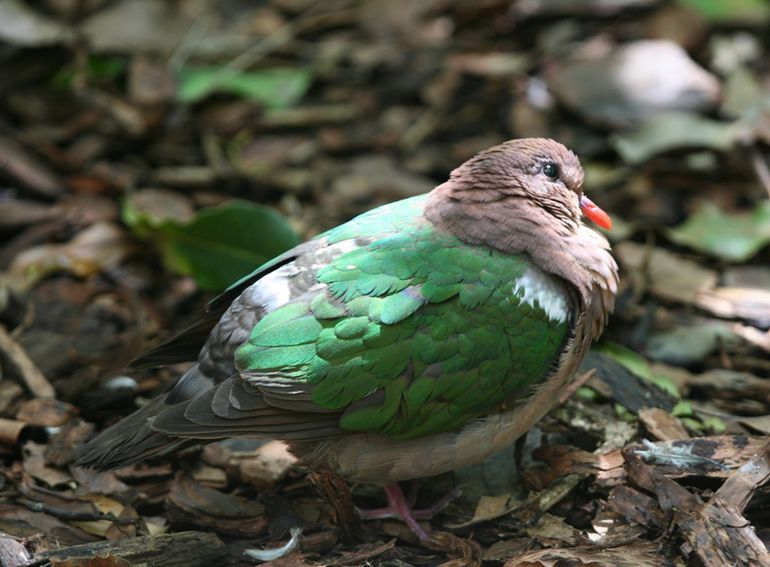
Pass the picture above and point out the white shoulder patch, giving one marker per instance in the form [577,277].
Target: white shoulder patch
[538,289]
[278,287]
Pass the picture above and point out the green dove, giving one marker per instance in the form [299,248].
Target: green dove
[419,337]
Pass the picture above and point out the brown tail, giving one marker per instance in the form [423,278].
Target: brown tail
[129,441]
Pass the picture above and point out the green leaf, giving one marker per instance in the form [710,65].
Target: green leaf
[105,67]
[623,413]
[273,88]
[673,130]
[730,236]
[220,244]
[692,424]
[639,366]
[682,408]
[732,10]
[715,425]
[97,67]
[586,393]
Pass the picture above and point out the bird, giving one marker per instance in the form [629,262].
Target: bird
[418,337]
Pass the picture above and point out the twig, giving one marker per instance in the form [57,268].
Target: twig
[740,487]
[36,382]
[761,168]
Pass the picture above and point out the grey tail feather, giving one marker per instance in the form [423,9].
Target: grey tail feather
[129,441]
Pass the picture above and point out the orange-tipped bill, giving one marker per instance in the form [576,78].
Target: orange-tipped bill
[594,213]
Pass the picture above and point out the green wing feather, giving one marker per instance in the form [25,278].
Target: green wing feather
[412,334]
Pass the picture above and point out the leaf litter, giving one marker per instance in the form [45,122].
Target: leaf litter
[175,148]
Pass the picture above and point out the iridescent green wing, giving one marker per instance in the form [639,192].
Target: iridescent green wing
[411,334]
[307,257]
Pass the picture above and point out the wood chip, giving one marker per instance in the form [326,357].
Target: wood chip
[192,549]
[637,507]
[716,456]
[715,532]
[662,425]
[638,554]
[362,556]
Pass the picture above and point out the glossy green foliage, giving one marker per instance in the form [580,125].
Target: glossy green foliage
[219,244]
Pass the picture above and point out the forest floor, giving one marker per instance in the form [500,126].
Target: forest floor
[151,152]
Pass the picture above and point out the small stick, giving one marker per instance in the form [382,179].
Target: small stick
[761,168]
[35,380]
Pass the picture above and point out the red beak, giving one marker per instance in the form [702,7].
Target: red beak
[594,213]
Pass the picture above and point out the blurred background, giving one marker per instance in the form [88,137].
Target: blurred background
[152,152]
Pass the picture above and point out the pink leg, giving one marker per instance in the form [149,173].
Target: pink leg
[399,507]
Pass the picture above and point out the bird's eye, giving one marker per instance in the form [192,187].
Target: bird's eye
[551,170]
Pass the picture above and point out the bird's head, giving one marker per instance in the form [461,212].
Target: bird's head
[526,196]
[536,173]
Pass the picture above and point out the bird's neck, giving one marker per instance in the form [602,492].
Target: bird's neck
[513,225]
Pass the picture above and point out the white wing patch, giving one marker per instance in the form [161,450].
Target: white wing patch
[283,284]
[539,290]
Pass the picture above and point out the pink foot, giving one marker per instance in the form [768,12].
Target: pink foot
[398,507]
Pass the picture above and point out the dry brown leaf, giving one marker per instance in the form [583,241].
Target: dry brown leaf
[571,459]
[10,431]
[21,522]
[489,507]
[753,335]
[661,424]
[210,509]
[61,446]
[46,412]
[507,549]
[91,481]
[35,465]
[668,275]
[626,84]
[553,531]
[155,27]
[97,248]
[721,383]
[466,552]
[759,423]
[213,477]
[736,302]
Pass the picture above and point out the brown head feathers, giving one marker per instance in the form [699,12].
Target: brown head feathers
[538,170]
[524,196]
